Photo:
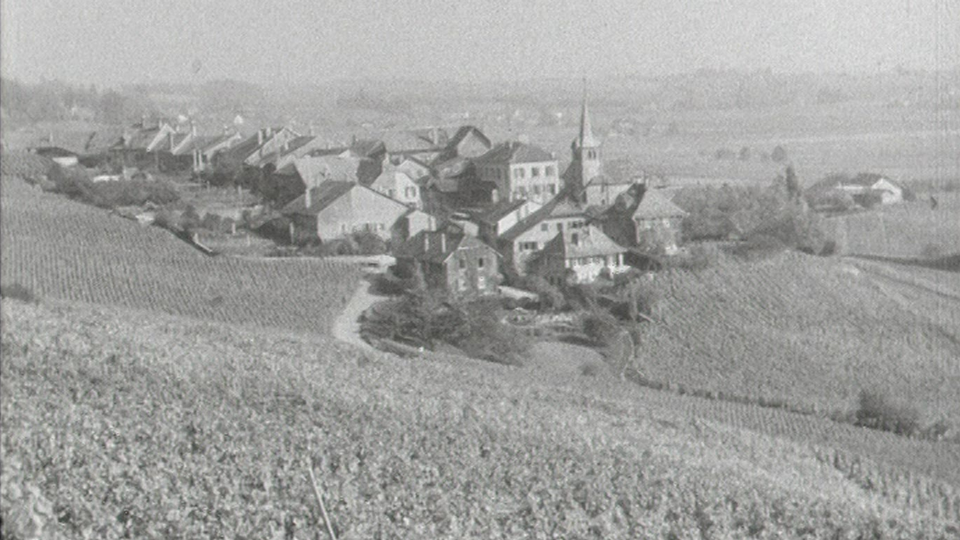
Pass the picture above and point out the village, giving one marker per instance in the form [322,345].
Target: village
[444,210]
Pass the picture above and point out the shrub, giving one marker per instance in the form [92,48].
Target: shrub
[601,328]
[551,298]
[17,291]
[877,411]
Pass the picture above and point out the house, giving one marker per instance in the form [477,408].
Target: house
[269,141]
[398,185]
[646,219]
[860,188]
[317,168]
[135,145]
[522,242]
[602,191]
[459,264]
[579,256]
[520,171]
[336,209]
[501,217]
[468,142]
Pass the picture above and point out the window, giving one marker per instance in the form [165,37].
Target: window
[560,227]
[518,173]
[544,227]
[553,189]
[550,171]
[481,282]
[528,246]
[463,264]
[462,284]
[536,189]
[480,262]
[535,171]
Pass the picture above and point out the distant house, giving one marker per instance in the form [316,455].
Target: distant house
[579,256]
[860,188]
[602,191]
[523,242]
[646,219]
[468,142]
[459,264]
[317,169]
[336,209]
[520,171]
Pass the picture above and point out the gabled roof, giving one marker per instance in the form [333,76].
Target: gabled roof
[585,242]
[559,207]
[463,132]
[654,205]
[321,197]
[427,246]
[866,179]
[515,152]
[388,178]
[500,210]
[314,170]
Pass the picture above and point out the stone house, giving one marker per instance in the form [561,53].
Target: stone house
[579,256]
[520,171]
[334,210]
[646,219]
[522,242]
[459,264]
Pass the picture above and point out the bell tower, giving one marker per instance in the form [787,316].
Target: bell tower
[586,147]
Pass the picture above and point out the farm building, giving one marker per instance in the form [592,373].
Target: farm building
[579,256]
[501,217]
[334,210]
[864,189]
[459,264]
[646,219]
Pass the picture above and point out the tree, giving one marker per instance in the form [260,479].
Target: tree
[793,184]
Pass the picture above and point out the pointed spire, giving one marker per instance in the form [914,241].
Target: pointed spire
[585,138]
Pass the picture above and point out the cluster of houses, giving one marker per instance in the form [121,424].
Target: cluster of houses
[454,204]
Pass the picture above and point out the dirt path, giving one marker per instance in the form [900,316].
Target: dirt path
[347,326]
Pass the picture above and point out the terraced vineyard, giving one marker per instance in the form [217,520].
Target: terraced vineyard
[810,331]
[62,249]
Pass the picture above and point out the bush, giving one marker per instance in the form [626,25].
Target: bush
[17,291]
[876,410]
[551,298]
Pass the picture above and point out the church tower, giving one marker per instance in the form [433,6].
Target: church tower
[585,148]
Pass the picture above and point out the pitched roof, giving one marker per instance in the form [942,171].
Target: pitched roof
[866,179]
[428,246]
[321,197]
[560,206]
[515,152]
[368,147]
[314,170]
[499,210]
[388,178]
[586,242]
[463,132]
[654,205]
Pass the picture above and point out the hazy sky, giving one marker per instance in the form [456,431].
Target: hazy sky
[110,42]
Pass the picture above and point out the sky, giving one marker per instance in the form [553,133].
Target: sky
[303,41]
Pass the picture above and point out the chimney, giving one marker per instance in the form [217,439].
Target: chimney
[435,136]
[259,137]
[307,200]
[443,242]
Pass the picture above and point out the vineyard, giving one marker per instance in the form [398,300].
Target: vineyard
[807,331]
[220,442]
[61,249]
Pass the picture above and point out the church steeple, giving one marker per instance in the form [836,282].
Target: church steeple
[585,148]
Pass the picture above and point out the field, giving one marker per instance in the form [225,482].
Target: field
[220,440]
[810,331]
[63,249]
[902,231]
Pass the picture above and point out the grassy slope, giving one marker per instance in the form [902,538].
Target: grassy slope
[132,421]
[63,249]
[813,331]
[902,230]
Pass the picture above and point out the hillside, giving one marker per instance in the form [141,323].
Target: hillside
[810,331]
[219,442]
[63,249]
